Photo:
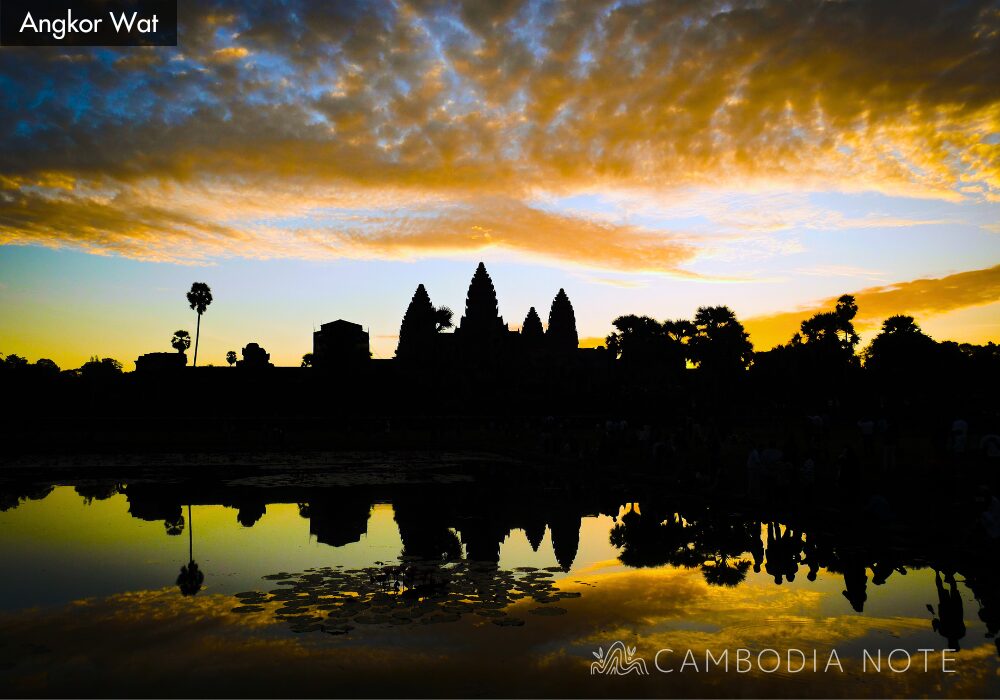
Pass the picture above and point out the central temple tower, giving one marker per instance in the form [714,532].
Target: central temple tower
[481,330]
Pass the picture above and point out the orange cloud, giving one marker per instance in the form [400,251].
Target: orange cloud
[512,225]
[875,304]
[460,104]
[190,229]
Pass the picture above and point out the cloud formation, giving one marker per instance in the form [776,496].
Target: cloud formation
[455,116]
[917,298]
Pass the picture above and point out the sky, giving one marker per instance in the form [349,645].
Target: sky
[317,160]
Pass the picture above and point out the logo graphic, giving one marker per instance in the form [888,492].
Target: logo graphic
[619,661]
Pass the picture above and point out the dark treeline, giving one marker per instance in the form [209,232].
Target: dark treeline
[675,382]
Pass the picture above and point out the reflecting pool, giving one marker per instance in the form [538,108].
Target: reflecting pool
[293,584]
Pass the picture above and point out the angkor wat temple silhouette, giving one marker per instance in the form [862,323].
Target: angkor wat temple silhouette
[482,336]
[664,374]
[441,366]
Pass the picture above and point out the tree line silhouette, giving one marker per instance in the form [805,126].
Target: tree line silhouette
[713,342]
[663,374]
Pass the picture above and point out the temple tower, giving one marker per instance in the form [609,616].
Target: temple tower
[561,337]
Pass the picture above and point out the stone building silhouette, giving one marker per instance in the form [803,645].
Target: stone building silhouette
[340,343]
[254,357]
[160,362]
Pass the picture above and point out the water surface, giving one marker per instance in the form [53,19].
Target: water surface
[457,591]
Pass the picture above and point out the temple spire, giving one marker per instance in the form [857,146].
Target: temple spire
[481,313]
[561,337]
[418,329]
[481,330]
[532,334]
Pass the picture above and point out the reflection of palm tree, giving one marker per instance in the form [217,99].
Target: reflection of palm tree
[723,572]
[191,578]
[174,526]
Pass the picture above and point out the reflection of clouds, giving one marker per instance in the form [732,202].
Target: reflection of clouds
[667,601]
[133,642]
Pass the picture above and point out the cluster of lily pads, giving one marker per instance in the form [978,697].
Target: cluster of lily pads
[335,600]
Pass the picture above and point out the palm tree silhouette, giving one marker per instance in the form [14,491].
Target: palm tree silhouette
[307,360]
[181,341]
[191,578]
[443,316]
[231,357]
[719,343]
[199,297]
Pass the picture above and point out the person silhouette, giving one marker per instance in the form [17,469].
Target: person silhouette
[855,584]
[950,620]
[791,552]
[756,546]
[772,553]
[816,554]
[811,561]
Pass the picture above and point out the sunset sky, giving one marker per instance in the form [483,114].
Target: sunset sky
[315,161]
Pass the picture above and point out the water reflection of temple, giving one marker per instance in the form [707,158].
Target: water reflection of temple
[434,522]
[334,520]
[470,520]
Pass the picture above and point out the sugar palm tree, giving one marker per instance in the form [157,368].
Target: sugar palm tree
[231,357]
[199,297]
[443,318]
[181,341]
